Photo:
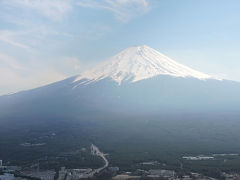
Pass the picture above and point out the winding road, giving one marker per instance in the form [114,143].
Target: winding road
[96,152]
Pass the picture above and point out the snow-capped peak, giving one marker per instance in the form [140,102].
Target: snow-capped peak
[138,63]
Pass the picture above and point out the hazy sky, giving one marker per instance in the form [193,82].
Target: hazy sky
[42,41]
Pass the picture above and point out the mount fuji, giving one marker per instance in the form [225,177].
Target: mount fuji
[138,63]
[138,80]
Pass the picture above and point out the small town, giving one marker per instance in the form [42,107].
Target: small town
[107,172]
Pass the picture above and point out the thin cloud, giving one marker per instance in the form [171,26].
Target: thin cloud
[52,9]
[15,38]
[12,81]
[124,10]
[9,62]
[70,66]
[8,37]
[15,77]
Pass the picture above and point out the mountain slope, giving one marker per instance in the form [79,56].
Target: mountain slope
[138,80]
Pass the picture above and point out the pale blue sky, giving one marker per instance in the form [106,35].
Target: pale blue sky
[42,41]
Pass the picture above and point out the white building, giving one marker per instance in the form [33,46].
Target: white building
[7,176]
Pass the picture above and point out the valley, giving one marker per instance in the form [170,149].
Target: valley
[128,144]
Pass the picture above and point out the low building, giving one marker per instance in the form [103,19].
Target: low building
[7,176]
[11,168]
[198,158]
[161,173]
[113,170]
[62,173]
[43,175]
[125,177]
[152,163]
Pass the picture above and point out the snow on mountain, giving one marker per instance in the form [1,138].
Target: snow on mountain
[138,63]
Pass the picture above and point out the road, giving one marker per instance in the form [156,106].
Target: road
[96,152]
